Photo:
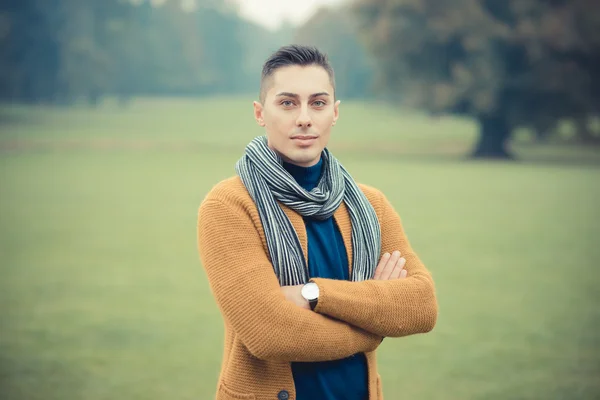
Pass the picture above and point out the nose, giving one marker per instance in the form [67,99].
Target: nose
[303,120]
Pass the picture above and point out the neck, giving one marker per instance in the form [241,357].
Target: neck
[302,165]
[307,177]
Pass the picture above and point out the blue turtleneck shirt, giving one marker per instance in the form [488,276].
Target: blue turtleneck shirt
[327,258]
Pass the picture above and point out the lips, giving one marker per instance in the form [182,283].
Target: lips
[304,137]
[304,140]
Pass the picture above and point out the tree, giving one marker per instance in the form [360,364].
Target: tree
[62,51]
[29,50]
[87,34]
[58,50]
[507,63]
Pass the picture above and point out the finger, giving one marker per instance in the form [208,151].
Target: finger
[403,274]
[387,270]
[398,268]
[382,264]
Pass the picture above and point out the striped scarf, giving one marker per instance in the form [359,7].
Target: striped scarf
[262,172]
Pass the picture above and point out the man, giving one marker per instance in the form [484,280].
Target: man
[292,245]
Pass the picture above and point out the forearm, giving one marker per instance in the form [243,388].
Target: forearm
[393,308]
[396,307]
[286,332]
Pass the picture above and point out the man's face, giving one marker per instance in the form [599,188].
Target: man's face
[298,112]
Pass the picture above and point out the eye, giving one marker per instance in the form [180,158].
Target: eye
[319,103]
[287,103]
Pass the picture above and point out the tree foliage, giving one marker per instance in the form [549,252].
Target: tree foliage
[63,51]
[507,63]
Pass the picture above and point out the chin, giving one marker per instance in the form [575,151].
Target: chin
[302,159]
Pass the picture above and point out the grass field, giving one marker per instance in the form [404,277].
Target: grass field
[102,295]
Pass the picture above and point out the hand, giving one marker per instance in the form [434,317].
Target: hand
[294,294]
[391,266]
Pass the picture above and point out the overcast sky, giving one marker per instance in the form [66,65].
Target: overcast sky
[271,13]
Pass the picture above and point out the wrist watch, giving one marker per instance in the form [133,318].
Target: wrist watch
[310,292]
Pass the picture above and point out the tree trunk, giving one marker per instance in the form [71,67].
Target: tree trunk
[94,98]
[493,137]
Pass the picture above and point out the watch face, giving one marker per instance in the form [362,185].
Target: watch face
[310,291]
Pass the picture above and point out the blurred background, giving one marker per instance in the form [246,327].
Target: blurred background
[479,119]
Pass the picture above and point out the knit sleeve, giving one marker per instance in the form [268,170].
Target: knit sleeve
[392,308]
[249,296]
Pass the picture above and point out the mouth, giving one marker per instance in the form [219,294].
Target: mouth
[304,137]
[304,140]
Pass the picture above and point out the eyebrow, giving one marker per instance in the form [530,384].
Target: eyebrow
[294,95]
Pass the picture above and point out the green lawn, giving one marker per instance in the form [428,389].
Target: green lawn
[102,295]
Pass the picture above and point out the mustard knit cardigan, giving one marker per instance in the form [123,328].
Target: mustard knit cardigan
[264,332]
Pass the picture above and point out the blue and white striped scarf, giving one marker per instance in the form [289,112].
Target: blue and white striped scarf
[262,172]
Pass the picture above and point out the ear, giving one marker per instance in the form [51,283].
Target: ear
[258,113]
[336,111]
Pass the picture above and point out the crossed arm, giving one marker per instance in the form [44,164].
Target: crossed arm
[350,318]
[399,301]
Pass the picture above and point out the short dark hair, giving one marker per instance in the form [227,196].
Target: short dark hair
[294,55]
